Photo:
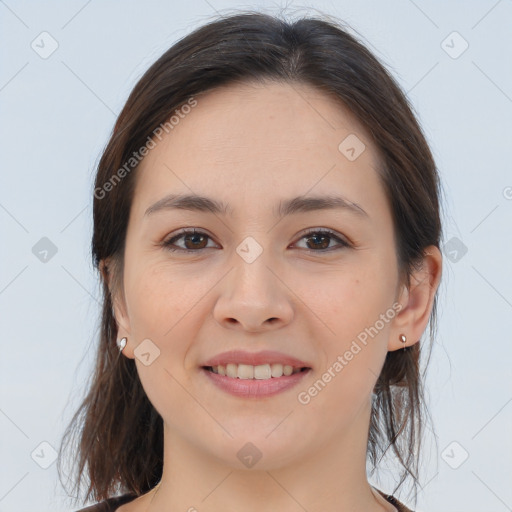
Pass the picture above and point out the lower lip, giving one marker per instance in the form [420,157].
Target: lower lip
[256,388]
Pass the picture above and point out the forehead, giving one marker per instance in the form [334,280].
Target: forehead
[252,141]
[283,116]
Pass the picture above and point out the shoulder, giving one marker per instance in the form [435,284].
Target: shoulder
[109,505]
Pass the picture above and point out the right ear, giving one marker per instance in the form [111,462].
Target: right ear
[118,309]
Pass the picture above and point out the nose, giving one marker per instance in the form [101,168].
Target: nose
[253,297]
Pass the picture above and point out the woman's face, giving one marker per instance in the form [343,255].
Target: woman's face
[254,280]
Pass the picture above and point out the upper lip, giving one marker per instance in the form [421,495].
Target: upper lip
[255,359]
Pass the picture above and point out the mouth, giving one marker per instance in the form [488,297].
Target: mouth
[259,372]
[255,382]
[254,375]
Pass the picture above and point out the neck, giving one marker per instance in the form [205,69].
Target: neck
[331,479]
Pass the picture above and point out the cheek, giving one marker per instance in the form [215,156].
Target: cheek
[150,301]
[156,298]
[158,307]
[357,308]
[349,301]
[164,305]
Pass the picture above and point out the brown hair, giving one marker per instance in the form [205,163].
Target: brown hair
[120,434]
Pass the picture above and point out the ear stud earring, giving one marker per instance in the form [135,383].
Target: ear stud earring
[402,337]
[121,344]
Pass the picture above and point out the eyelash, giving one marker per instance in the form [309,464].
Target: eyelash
[168,244]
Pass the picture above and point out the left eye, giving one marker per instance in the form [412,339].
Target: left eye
[195,240]
[325,234]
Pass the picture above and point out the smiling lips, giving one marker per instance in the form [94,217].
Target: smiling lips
[259,365]
[258,374]
[248,371]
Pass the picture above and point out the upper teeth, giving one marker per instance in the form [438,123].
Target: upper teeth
[247,371]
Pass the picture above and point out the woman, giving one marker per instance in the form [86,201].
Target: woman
[266,227]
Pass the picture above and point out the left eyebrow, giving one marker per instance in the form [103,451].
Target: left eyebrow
[298,204]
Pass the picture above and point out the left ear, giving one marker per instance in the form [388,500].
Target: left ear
[417,300]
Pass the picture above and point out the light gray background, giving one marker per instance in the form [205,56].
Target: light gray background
[56,116]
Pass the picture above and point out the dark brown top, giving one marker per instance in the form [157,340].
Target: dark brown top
[112,504]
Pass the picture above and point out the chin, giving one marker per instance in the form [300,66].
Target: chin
[258,451]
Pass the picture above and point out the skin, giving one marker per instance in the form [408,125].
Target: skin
[251,146]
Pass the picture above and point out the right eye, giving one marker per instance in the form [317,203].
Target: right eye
[194,239]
